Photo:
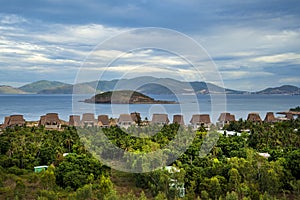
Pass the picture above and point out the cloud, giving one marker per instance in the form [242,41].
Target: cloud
[290,80]
[279,58]
[11,19]
[248,41]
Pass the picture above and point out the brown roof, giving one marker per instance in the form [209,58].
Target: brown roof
[14,120]
[88,117]
[6,121]
[289,114]
[160,118]
[74,120]
[103,119]
[270,117]
[52,117]
[125,118]
[135,116]
[178,119]
[42,120]
[49,118]
[198,119]
[226,117]
[254,117]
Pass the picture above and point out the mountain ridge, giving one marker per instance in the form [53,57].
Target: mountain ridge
[153,85]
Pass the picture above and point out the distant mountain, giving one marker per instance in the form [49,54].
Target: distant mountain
[4,89]
[148,85]
[285,89]
[153,86]
[38,86]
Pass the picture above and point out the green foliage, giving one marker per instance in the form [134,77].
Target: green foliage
[232,169]
[295,109]
[75,171]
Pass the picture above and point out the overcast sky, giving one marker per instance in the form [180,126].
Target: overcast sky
[254,44]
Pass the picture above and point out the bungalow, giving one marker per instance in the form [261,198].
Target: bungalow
[160,119]
[14,120]
[103,121]
[225,118]
[270,118]
[50,121]
[125,121]
[254,117]
[136,117]
[289,115]
[74,120]
[200,120]
[88,119]
[178,119]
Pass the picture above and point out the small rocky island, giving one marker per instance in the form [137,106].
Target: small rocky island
[125,97]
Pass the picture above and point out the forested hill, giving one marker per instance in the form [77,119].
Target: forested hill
[285,89]
[232,169]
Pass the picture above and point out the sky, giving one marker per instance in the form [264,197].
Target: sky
[253,44]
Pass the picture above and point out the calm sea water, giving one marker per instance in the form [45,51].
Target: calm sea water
[33,106]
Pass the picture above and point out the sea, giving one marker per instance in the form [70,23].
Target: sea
[32,106]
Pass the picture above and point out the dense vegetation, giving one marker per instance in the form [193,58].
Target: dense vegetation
[233,169]
[295,109]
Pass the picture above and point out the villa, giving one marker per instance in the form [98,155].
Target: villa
[50,121]
[178,119]
[199,120]
[125,121]
[254,117]
[74,120]
[88,120]
[160,119]
[14,120]
[103,121]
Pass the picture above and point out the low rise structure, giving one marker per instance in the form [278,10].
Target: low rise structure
[50,121]
[103,121]
[199,120]
[160,119]
[254,117]
[88,120]
[125,121]
[14,120]
[74,120]
[270,118]
[178,119]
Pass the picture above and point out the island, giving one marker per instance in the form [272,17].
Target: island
[125,97]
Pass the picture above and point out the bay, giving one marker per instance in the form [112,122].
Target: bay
[32,106]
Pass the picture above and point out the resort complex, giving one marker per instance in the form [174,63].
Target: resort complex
[52,120]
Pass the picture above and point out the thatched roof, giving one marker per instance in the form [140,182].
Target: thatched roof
[199,119]
[289,114]
[270,117]
[178,119]
[160,118]
[226,117]
[52,118]
[49,119]
[88,117]
[14,120]
[6,121]
[104,120]
[42,120]
[254,117]
[74,120]
[125,118]
[135,116]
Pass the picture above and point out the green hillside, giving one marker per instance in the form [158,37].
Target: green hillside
[36,87]
[4,89]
